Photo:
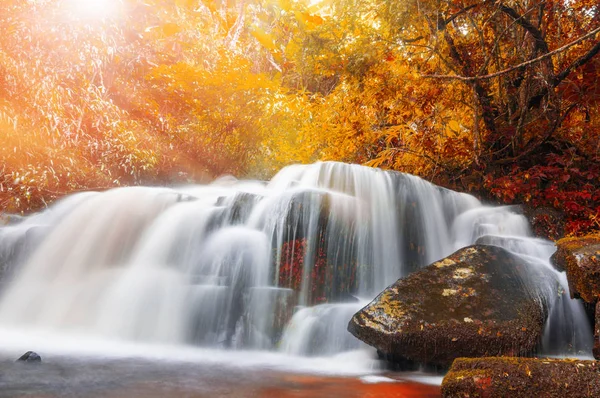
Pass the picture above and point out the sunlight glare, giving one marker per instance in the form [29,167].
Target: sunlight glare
[94,9]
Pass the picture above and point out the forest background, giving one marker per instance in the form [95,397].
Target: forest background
[497,98]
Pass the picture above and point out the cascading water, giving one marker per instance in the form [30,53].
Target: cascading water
[281,265]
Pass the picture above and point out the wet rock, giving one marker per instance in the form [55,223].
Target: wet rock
[10,219]
[521,245]
[300,220]
[30,356]
[522,377]
[596,349]
[238,207]
[479,301]
[16,245]
[270,311]
[580,258]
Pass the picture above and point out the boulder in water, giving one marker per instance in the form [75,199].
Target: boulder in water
[479,301]
[522,377]
[30,356]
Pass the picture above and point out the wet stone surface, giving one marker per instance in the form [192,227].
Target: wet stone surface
[580,258]
[522,378]
[479,301]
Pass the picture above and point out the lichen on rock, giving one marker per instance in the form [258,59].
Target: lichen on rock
[580,258]
[522,378]
[479,301]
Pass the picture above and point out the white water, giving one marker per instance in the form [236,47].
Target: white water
[210,265]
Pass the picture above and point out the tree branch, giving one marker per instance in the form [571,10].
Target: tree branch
[413,40]
[531,148]
[540,43]
[576,64]
[456,15]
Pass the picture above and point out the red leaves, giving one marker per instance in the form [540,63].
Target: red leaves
[564,182]
[322,281]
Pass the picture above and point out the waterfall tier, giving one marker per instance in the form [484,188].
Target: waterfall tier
[280,265]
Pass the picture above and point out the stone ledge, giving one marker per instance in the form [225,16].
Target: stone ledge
[522,378]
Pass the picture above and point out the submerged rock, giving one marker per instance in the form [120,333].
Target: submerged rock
[30,356]
[479,301]
[522,377]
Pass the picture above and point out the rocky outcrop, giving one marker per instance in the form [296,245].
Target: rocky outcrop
[580,258]
[522,377]
[479,301]
[16,245]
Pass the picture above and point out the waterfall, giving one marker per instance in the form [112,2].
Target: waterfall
[279,265]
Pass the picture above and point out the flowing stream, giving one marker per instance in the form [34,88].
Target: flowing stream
[246,272]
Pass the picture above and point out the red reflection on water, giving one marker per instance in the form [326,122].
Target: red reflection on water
[314,386]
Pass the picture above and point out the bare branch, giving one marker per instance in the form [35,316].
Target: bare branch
[576,64]
[456,15]
[525,24]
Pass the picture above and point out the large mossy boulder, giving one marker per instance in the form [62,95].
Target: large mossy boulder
[580,258]
[479,301]
[522,378]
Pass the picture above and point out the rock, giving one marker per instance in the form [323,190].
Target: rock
[580,258]
[10,219]
[238,207]
[30,356]
[16,245]
[520,245]
[522,377]
[479,301]
[596,349]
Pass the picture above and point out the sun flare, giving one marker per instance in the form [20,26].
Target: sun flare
[94,9]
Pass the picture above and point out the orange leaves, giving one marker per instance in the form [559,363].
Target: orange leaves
[307,20]
[164,31]
[120,104]
[454,126]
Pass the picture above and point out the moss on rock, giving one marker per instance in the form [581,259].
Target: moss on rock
[522,377]
[580,258]
[479,301]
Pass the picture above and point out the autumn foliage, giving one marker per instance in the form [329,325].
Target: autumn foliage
[498,98]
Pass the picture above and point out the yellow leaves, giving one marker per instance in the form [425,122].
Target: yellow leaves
[454,125]
[319,5]
[307,20]
[265,39]
[164,31]
[211,5]
[186,3]
[285,5]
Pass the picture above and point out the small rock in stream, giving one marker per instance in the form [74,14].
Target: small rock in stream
[30,356]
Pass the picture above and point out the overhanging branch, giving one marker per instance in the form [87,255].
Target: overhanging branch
[580,61]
